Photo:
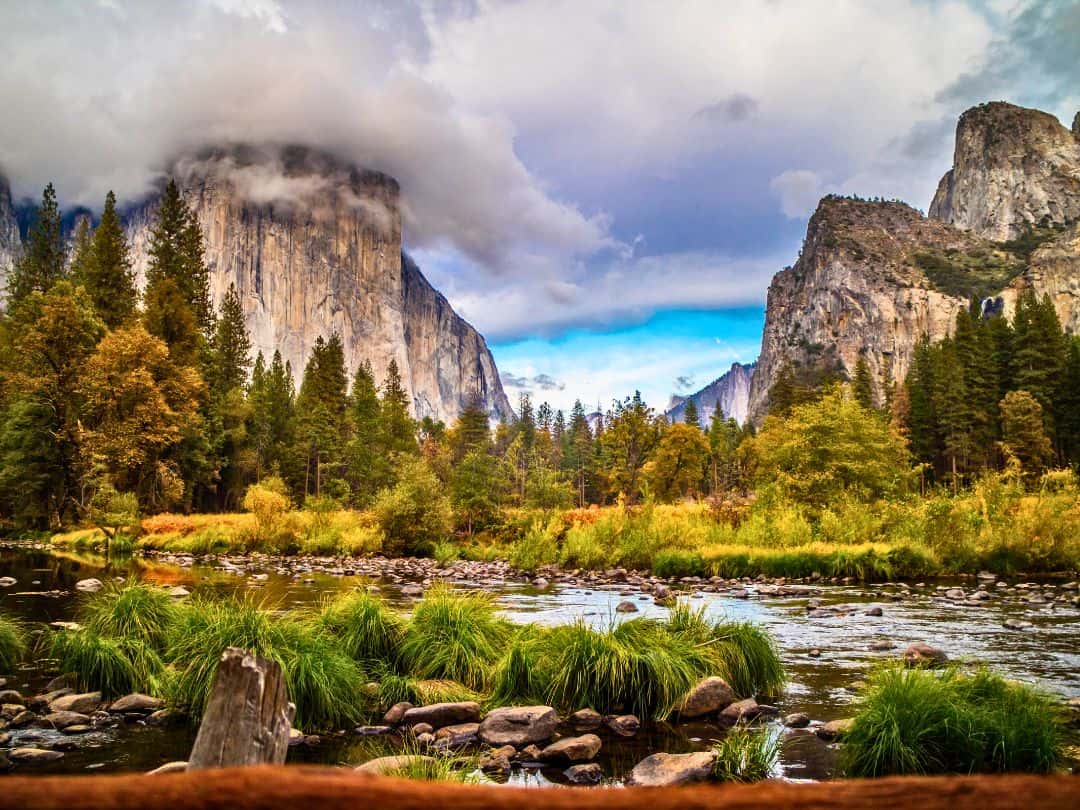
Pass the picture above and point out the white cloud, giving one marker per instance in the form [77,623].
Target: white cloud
[799,191]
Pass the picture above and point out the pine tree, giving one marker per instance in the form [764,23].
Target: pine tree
[1023,436]
[42,263]
[1038,351]
[690,414]
[578,454]
[862,385]
[107,275]
[397,427]
[471,431]
[231,347]
[81,252]
[321,405]
[273,402]
[367,467]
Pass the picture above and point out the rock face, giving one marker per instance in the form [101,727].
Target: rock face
[730,393]
[869,280]
[314,246]
[10,244]
[1013,167]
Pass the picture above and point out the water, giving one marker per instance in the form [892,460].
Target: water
[823,686]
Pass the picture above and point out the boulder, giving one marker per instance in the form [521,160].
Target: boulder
[797,720]
[518,725]
[920,654]
[383,765]
[740,710]
[572,749]
[588,774]
[458,734]
[83,702]
[625,725]
[412,589]
[665,770]
[12,698]
[438,715]
[136,703]
[585,719]
[835,729]
[179,592]
[61,720]
[396,713]
[91,585]
[626,607]
[708,697]
[7,582]
[33,755]
[423,728]
[371,731]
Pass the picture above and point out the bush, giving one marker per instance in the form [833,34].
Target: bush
[539,546]
[414,514]
[913,721]
[12,643]
[454,635]
[365,627]
[268,501]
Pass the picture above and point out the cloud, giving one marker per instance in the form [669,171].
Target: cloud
[799,191]
[531,384]
[684,382]
[130,85]
[736,107]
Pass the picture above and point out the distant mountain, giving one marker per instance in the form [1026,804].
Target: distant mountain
[731,392]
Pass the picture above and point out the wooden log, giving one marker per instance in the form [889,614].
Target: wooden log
[248,717]
[273,788]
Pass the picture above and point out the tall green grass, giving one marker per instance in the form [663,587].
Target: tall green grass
[745,755]
[454,635]
[133,610]
[12,642]
[364,625]
[913,721]
[113,665]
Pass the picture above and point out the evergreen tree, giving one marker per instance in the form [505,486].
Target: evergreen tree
[368,470]
[272,399]
[862,386]
[82,250]
[1038,352]
[43,261]
[579,453]
[321,405]
[1023,435]
[231,346]
[725,436]
[690,414]
[107,275]
[628,438]
[397,427]
[1069,404]
[470,431]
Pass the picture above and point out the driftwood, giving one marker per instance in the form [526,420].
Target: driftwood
[273,788]
[248,717]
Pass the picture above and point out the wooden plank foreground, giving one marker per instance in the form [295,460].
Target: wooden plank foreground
[306,788]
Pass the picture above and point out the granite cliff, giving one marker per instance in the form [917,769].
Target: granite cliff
[873,277]
[730,392]
[314,246]
[9,236]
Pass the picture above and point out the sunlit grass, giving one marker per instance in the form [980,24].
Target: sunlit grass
[114,666]
[133,610]
[13,644]
[746,755]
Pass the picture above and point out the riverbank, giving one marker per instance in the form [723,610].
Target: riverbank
[830,638]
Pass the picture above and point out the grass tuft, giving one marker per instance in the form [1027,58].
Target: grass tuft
[913,721]
[745,755]
[115,666]
[12,642]
[367,629]
[133,610]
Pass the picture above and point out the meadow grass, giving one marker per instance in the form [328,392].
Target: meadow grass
[397,688]
[365,627]
[133,610]
[913,721]
[745,755]
[454,635]
[13,644]
[112,665]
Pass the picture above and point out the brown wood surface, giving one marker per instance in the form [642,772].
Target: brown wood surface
[248,716]
[306,788]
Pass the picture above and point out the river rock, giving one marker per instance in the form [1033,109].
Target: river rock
[91,585]
[572,749]
[518,725]
[882,645]
[587,774]
[438,715]
[835,728]
[497,761]
[84,703]
[664,770]
[136,703]
[874,611]
[742,710]
[626,606]
[383,765]
[797,720]
[7,582]
[78,728]
[1016,624]
[179,592]
[33,755]
[423,728]
[412,589]
[62,720]
[585,719]
[458,734]
[625,725]
[21,718]
[169,767]
[12,697]
[396,713]
[921,654]
[372,731]
[709,696]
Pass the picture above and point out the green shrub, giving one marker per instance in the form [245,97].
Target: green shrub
[414,514]
[744,755]
[12,642]
[115,666]
[134,611]
[454,635]
[539,546]
[914,721]
[674,564]
[367,629]
[268,501]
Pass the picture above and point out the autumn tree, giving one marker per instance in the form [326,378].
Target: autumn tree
[631,433]
[1023,434]
[676,468]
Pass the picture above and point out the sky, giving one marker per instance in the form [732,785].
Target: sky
[604,188]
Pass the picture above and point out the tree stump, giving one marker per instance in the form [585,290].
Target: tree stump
[248,717]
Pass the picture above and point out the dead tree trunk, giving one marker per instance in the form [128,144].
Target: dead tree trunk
[248,717]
